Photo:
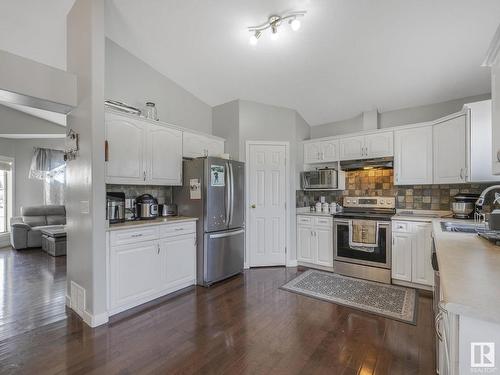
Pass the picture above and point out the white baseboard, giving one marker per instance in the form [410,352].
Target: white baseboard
[292,263]
[95,320]
[246,266]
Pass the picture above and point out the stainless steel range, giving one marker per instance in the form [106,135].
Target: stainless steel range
[366,220]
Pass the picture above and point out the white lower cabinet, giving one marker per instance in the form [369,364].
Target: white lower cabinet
[134,272]
[177,260]
[411,252]
[402,244]
[315,240]
[142,268]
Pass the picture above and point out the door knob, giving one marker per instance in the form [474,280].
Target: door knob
[253,205]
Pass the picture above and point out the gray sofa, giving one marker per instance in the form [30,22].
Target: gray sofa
[25,229]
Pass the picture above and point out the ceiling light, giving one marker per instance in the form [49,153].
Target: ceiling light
[274,22]
[295,24]
[255,38]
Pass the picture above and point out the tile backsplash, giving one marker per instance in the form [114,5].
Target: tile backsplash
[162,193]
[380,182]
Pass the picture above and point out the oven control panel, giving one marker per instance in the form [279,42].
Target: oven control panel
[370,202]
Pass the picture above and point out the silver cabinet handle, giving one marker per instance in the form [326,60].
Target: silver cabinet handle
[461,173]
[144,175]
[137,235]
[158,247]
[498,155]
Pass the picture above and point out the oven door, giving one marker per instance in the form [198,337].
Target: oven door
[379,257]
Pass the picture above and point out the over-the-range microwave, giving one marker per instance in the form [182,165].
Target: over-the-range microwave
[320,179]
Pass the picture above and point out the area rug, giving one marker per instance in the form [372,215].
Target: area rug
[390,301]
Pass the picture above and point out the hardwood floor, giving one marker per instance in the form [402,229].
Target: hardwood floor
[246,325]
[32,290]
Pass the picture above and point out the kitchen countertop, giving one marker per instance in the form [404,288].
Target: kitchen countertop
[419,215]
[307,211]
[469,269]
[147,223]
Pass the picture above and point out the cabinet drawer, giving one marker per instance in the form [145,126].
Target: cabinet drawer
[401,226]
[170,230]
[304,219]
[124,237]
[323,221]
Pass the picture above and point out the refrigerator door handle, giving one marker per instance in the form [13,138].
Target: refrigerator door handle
[228,195]
[231,211]
[227,234]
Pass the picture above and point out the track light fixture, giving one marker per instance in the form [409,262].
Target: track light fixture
[273,23]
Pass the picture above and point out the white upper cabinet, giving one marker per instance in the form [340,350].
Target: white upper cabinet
[141,153]
[379,145]
[126,156]
[321,152]
[450,151]
[481,166]
[352,148]
[495,109]
[164,156]
[413,156]
[198,145]
[312,152]
[374,145]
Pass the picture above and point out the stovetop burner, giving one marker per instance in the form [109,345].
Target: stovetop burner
[368,208]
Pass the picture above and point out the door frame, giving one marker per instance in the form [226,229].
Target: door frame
[287,197]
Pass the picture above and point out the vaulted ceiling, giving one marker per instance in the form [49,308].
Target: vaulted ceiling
[348,57]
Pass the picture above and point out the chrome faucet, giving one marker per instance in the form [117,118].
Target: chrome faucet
[480,200]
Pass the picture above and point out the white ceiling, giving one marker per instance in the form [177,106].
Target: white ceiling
[348,57]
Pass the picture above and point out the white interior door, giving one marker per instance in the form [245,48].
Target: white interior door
[267,198]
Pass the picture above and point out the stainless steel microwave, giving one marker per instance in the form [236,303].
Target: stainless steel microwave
[320,179]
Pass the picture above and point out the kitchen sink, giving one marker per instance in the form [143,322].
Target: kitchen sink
[449,226]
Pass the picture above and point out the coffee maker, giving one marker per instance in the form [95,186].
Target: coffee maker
[115,207]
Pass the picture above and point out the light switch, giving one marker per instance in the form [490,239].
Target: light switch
[84,207]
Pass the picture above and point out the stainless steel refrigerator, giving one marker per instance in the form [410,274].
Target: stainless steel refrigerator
[214,191]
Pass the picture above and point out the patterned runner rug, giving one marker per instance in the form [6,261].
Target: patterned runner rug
[390,301]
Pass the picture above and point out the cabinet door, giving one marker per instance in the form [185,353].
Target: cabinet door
[352,148]
[215,147]
[379,145]
[193,145]
[450,151]
[495,113]
[422,272]
[329,151]
[324,243]
[413,156]
[178,261]
[134,272]
[126,150]
[305,244]
[401,255]
[164,150]
[312,153]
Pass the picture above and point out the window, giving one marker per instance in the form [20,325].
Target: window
[5,192]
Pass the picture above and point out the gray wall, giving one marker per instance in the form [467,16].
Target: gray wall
[132,81]
[27,191]
[30,78]
[86,258]
[398,117]
[16,122]
[261,122]
[225,123]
